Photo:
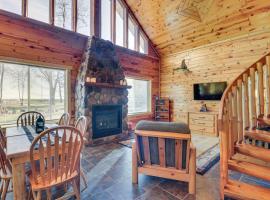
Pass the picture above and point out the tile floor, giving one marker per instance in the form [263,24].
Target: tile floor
[108,171]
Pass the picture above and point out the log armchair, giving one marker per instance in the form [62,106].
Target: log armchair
[164,149]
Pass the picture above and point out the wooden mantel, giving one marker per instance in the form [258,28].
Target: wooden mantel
[107,85]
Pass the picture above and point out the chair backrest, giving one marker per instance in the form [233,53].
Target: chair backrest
[164,149]
[5,165]
[28,118]
[3,139]
[81,125]
[64,120]
[60,149]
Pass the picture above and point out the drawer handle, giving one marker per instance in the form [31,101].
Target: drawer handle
[201,123]
[201,117]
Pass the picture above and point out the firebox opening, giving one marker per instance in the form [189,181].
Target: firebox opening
[107,120]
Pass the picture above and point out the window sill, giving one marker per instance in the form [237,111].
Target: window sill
[139,114]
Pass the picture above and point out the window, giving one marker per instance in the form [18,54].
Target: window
[39,10]
[138,101]
[14,6]
[24,88]
[119,19]
[106,19]
[63,13]
[83,18]
[131,34]
[143,44]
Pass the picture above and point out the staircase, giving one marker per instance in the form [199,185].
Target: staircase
[243,120]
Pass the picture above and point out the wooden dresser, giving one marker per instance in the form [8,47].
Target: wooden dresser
[204,123]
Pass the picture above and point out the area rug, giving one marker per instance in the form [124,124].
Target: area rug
[206,157]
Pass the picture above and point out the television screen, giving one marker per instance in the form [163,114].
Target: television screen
[209,91]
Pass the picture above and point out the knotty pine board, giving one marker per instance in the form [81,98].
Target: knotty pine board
[223,61]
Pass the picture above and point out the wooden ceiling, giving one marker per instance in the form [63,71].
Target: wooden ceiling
[177,25]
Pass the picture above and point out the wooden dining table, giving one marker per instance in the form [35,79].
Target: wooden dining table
[18,151]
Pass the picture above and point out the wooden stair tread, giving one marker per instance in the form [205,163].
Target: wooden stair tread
[253,151]
[240,190]
[251,169]
[260,135]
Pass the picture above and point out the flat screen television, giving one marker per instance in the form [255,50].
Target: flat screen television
[209,91]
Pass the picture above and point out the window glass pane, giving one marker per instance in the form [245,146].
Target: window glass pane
[13,91]
[106,19]
[143,44]
[47,92]
[138,101]
[119,24]
[14,6]
[131,34]
[63,14]
[83,18]
[39,10]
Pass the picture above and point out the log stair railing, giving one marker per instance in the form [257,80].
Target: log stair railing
[244,127]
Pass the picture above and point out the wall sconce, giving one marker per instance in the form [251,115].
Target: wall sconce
[183,67]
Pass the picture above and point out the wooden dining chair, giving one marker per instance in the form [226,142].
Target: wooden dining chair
[5,173]
[28,118]
[57,150]
[3,139]
[64,120]
[81,124]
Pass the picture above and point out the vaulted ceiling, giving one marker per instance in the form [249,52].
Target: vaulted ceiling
[177,25]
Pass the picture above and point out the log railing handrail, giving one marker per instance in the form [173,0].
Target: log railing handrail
[234,83]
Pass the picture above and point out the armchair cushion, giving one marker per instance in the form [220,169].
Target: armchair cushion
[174,127]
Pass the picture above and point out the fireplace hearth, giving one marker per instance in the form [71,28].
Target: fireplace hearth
[106,120]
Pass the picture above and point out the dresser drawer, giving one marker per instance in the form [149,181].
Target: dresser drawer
[209,123]
[198,116]
[202,128]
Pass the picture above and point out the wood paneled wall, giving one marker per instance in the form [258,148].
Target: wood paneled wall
[39,43]
[221,61]
[29,41]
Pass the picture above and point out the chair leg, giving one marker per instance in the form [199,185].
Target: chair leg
[75,189]
[2,186]
[192,171]
[84,179]
[134,164]
[5,189]
[48,193]
[36,195]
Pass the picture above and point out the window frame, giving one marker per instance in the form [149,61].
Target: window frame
[136,42]
[149,96]
[142,35]
[66,87]
[27,11]
[124,22]
[95,21]
[91,16]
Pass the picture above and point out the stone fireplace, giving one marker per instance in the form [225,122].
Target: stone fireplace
[104,103]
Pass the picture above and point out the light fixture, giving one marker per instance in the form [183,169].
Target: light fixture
[183,67]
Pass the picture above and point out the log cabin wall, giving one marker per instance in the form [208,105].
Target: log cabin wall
[222,61]
[28,41]
[218,39]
